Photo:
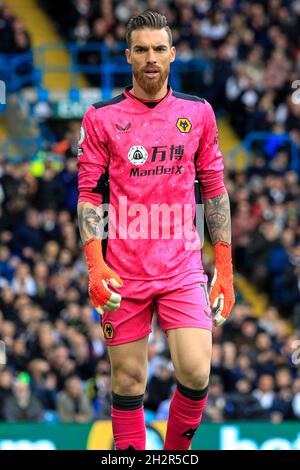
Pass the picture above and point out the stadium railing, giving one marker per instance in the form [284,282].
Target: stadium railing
[268,144]
[107,69]
[18,71]
[105,66]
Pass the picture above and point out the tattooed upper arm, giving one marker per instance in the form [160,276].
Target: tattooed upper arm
[89,221]
[217,214]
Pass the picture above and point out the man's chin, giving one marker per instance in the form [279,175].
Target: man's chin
[151,86]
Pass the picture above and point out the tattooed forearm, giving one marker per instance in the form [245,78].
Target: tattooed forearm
[217,214]
[89,221]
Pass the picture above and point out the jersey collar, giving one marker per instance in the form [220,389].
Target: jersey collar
[138,102]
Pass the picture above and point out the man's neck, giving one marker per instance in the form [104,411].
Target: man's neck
[137,91]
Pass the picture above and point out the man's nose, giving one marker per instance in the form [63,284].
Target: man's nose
[151,58]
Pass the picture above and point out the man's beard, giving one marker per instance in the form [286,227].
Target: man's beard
[151,85]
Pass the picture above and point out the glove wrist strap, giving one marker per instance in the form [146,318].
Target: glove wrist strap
[223,254]
[93,253]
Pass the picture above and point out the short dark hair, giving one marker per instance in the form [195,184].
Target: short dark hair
[150,19]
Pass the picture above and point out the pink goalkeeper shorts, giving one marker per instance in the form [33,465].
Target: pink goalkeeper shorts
[180,301]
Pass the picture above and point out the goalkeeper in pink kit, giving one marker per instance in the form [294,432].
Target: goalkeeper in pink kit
[142,152]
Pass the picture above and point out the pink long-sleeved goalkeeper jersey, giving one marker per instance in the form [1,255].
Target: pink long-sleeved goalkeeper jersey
[146,159]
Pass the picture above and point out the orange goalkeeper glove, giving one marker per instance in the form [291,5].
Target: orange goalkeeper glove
[221,290]
[100,275]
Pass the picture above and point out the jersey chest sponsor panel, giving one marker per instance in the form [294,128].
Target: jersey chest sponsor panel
[152,161]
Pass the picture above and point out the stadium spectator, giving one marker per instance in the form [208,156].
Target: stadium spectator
[73,404]
[22,405]
[160,384]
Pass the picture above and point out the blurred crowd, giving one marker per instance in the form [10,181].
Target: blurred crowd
[16,56]
[57,364]
[243,56]
[266,231]
[14,38]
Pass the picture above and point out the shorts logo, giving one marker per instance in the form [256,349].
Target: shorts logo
[108,331]
[82,135]
[184,125]
[137,155]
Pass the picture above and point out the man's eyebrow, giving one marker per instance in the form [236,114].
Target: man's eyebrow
[141,46]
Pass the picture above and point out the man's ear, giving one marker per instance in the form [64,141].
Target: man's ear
[128,56]
[173,54]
